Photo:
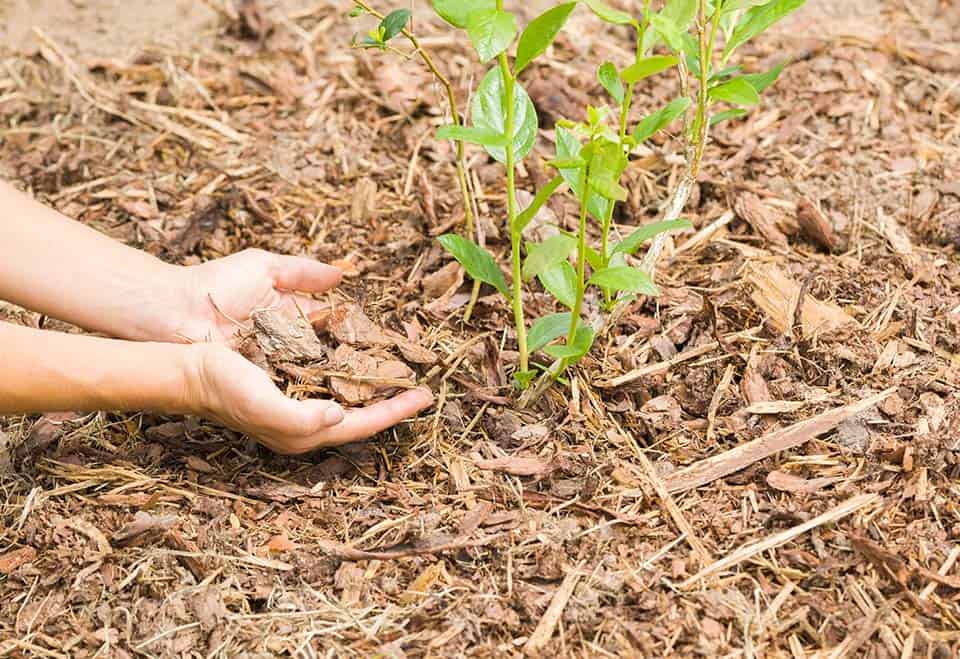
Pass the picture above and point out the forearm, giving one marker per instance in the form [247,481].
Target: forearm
[59,267]
[43,371]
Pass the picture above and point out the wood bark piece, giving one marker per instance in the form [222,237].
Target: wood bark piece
[838,512]
[284,339]
[728,462]
[548,623]
[763,220]
[347,323]
[376,374]
[815,225]
[773,293]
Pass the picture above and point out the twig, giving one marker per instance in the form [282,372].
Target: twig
[348,553]
[847,507]
[544,631]
[735,459]
[666,499]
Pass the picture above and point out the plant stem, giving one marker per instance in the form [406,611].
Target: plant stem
[515,233]
[698,141]
[581,254]
[468,218]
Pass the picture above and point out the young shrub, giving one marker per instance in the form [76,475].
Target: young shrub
[593,155]
[395,24]
[504,122]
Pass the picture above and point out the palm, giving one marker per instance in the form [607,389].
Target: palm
[227,291]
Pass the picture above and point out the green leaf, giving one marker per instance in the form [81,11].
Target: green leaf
[547,329]
[667,30]
[472,134]
[491,32]
[737,91]
[394,22]
[456,12]
[758,19]
[723,73]
[540,33]
[607,13]
[607,74]
[734,5]
[624,278]
[561,282]
[660,119]
[522,379]
[545,255]
[681,12]
[732,113]
[647,67]
[488,110]
[605,170]
[568,147]
[760,81]
[608,188]
[594,258]
[632,243]
[476,261]
[539,199]
[357,11]
[582,341]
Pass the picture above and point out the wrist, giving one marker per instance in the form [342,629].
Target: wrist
[193,392]
[161,310]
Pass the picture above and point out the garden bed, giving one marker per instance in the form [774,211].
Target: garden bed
[762,461]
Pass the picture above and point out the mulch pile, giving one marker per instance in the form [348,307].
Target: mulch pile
[764,461]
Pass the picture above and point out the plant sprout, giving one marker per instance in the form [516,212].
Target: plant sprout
[591,155]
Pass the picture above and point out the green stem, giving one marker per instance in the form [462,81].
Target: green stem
[515,233]
[581,255]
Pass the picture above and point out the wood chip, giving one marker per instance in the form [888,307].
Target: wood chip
[728,462]
[780,480]
[763,219]
[846,508]
[773,292]
[12,560]
[548,623]
[816,225]
[518,465]
[285,339]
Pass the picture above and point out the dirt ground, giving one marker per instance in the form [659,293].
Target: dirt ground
[731,472]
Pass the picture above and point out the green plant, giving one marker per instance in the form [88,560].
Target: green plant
[504,123]
[593,168]
[592,155]
[390,26]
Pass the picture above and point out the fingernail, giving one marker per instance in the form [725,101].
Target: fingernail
[426,393]
[333,414]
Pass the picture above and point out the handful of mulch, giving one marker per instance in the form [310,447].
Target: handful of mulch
[339,350]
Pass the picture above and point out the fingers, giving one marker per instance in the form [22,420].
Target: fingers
[297,273]
[366,422]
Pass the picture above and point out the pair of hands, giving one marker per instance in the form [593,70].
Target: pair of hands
[224,386]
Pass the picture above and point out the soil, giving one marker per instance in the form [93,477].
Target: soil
[762,462]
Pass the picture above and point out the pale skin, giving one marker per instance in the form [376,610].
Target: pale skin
[171,328]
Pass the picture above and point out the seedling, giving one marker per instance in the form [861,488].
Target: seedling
[504,123]
[391,25]
[593,169]
[592,155]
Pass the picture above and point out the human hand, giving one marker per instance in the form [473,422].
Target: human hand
[217,297]
[226,387]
